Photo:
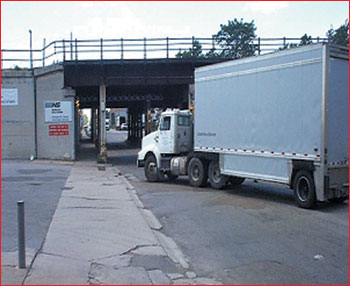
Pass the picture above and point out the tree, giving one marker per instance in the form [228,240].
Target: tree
[305,40]
[212,53]
[195,52]
[17,68]
[339,36]
[85,119]
[236,39]
[288,46]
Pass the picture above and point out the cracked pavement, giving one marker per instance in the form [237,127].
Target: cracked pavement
[101,234]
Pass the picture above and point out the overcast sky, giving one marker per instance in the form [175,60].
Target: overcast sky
[94,20]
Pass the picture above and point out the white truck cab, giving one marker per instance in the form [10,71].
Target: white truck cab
[173,138]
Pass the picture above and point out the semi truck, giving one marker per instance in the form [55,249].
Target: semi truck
[119,121]
[281,117]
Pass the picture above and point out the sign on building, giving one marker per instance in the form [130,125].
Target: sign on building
[58,129]
[58,111]
[9,96]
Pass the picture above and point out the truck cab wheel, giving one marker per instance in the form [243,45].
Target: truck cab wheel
[197,173]
[171,176]
[304,189]
[151,169]
[216,179]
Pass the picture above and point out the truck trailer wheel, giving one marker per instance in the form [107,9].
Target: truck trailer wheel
[216,180]
[304,189]
[151,169]
[197,173]
[235,181]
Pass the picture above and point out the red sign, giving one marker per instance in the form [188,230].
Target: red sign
[58,130]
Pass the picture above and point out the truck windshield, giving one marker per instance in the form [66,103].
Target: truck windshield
[165,123]
[183,121]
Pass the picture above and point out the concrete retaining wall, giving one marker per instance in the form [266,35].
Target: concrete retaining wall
[17,122]
[49,83]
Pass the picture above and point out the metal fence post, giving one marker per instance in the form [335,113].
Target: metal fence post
[101,47]
[64,50]
[259,50]
[192,46]
[31,50]
[144,49]
[76,49]
[71,46]
[167,47]
[121,49]
[21,235]
[44,48]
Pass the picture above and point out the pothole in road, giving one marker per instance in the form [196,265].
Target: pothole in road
[34,184]
[33,171]
[155,262]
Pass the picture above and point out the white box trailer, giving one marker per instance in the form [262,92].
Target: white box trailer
[281,117]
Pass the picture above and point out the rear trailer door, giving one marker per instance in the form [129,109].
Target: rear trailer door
[338,121]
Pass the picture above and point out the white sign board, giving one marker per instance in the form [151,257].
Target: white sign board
[58,111]
[9,96]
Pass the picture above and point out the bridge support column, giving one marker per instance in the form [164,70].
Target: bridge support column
[93,125]
[148,125]
[129,124]
[102,125]
[135,132]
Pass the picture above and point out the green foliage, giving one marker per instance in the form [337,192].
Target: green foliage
[17,68]
[85,120]
[305,40]
[236,38]
[288,46]
[212,54]
[195,52]
[339,36]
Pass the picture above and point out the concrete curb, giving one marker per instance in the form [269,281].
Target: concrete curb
[168,244]
[171,249]
[151,219]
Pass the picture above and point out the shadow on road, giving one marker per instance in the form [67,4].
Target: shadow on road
[87,151]
[124,145]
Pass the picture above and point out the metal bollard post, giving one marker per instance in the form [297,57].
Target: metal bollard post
[21,235]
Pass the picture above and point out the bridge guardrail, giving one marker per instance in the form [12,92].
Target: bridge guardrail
[119,49]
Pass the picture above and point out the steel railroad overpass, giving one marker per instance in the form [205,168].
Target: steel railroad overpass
[135,84]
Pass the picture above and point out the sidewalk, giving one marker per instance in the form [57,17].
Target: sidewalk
[102,234]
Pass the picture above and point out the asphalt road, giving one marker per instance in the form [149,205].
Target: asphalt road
[250,234]
[40,185]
